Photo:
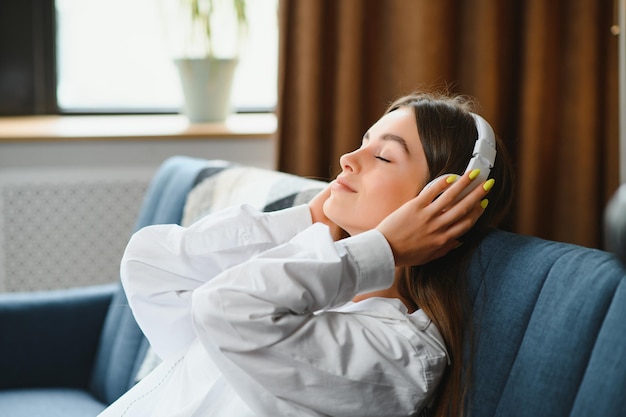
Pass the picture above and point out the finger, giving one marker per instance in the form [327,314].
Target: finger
[437,196]
[478,193]
[436,187]
[463,224]
[461,218]
[450,196]
[471,201]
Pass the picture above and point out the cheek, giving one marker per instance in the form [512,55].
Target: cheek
[392,195]
[383,207]
[390,198]
[373,209]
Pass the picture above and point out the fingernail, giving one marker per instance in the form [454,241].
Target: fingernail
[489,184]
[474,174]
[484,203]
[451,178]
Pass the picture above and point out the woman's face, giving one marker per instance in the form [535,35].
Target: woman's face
[385,172]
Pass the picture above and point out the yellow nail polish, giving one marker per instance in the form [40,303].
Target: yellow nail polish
[474,174]
[451,178]
[489,184]
[484,203]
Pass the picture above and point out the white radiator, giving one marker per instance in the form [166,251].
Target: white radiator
[66,228]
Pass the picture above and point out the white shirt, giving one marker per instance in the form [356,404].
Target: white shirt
[252,314]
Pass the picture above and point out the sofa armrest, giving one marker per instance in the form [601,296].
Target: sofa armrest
[50,338]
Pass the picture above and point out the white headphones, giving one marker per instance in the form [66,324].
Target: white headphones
[483,156]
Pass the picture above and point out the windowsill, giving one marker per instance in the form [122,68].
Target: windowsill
[132,127]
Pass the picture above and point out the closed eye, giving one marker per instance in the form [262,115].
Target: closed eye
[382,159]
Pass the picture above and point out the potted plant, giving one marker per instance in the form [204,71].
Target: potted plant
[211,35]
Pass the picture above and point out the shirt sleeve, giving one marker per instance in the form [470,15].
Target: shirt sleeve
[261,323]
[262,300]
[163,264]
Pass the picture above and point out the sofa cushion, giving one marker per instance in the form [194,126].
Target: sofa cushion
[48,402]
[263,189]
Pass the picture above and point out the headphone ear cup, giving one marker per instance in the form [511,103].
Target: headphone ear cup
[483,156]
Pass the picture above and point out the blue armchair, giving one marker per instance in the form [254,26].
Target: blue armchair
[550,338]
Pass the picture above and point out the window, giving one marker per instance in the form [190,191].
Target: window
[114,55]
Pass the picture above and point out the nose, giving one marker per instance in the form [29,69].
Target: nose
[349,161]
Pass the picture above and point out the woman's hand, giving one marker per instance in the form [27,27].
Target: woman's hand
[426,227]
[316,205]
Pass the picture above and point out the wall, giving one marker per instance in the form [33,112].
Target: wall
[68,207]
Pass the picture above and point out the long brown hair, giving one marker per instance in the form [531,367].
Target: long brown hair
[448,132]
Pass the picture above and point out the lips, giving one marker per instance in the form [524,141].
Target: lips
[342,185]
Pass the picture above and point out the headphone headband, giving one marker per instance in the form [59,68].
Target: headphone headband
[484,154]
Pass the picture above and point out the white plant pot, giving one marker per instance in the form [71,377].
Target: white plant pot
[207,85]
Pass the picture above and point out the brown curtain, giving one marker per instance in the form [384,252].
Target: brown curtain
[545,73]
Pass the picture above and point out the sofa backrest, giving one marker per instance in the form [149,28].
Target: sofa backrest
[549,329]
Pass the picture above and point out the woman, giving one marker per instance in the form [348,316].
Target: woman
[319,309]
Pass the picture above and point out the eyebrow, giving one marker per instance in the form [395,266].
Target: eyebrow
[392,137]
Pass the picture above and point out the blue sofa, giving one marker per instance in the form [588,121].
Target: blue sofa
[550,317]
